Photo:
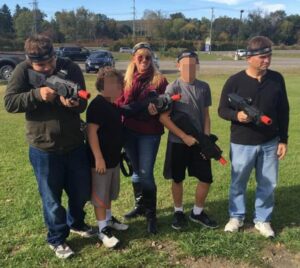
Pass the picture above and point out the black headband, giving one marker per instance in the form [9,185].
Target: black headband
[38,57]
[139,46]
[259,51]
[187,54]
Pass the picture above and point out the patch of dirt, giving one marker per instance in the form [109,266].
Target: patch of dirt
[274,256]
[176,259]
[278,256]
[208,262]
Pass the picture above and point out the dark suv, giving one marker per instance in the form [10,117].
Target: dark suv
[73,53]
[99,59]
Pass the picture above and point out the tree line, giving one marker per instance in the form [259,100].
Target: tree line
[84,26]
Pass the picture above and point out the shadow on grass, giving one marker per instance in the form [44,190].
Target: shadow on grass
[285,215]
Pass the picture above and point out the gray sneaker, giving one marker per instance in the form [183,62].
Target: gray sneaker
[117,225]
[62,251]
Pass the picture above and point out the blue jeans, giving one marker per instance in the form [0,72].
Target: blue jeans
[54,173]
[142,151]
[264,159]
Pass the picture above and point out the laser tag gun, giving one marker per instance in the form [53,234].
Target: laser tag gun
[244,104]
[162,102]
[125,164]
[62,86]
[206,144]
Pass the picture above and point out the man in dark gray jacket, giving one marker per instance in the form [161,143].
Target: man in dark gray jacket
[57,150]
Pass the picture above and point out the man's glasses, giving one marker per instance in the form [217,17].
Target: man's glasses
[141,58]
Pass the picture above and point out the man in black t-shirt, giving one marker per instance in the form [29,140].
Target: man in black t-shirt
[105,143]
[255,145]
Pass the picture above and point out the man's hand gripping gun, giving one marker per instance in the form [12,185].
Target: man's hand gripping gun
[239,103]
[63,87]
[206,143]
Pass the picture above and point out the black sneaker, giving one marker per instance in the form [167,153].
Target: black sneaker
[85,231]
[108,239]
[204,220]
[179,220]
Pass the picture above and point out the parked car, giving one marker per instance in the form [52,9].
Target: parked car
[74,53]
[8,62]
[241,53]
[99,59]
[125,50]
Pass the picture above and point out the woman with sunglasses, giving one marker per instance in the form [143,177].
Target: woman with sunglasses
[143,131]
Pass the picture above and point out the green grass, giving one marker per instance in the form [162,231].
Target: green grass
[23,233]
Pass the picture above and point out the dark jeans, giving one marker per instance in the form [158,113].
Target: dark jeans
[56,172]
[142,151]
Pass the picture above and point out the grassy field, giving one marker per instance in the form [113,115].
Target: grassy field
[23,233]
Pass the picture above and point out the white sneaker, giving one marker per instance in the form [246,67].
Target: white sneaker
[62,251]
[233,225]
[117,225]
[108,239]
[265,229]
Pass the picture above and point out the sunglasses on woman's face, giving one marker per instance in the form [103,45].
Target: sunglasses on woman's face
[142,57]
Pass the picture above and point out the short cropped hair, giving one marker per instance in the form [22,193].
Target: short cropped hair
[39,47]
[259,42]
[108,72]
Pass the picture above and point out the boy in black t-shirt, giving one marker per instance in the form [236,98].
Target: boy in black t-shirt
[105,141]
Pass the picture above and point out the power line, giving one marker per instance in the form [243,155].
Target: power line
[35,19]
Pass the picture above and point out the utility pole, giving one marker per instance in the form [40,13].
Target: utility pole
[133,22]
[35,19]
[210,31]
[238,34]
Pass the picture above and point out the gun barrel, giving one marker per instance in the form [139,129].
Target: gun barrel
[266,120]
[222,161]
[83,94]
[176,97]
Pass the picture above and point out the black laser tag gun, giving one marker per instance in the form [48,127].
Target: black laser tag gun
[244,104]
[162,102]
[206,144]
[62,86]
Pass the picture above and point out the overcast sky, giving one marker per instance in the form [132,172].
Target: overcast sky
[123,9]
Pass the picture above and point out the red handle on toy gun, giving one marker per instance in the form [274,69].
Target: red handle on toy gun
[83,94]
[222,161]
[176,97]
[266,120]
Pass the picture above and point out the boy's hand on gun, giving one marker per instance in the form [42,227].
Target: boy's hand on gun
[189,140]
[100,165]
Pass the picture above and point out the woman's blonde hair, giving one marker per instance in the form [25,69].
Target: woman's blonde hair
[128,78]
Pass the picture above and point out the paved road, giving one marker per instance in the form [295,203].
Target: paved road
[222,66]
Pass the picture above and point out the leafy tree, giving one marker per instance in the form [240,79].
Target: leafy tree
[23,24]
[6,21]
[178,15]
[67,24]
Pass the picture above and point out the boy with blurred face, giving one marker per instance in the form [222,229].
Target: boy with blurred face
[105,138]
[180,155]
[256,145]
[57,151]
